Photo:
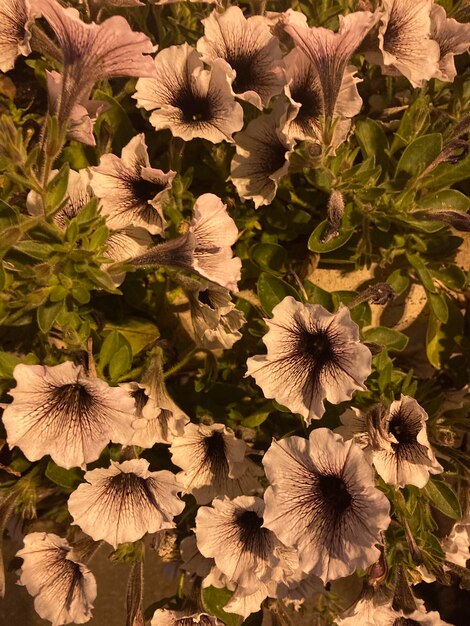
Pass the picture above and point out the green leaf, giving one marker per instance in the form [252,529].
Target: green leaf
[315,243]
[435,342]
[139,332]
[121,362]
[438,306]
[451,276]
[57,188]
[214,600]
[270,257]
[424,274]
[372,140]
[259,416]
[8,362]
[102,280]
[272,290]
[46,315]
[445,199]
[419,154]
[415,120]
[35,249]
[443,498]
[317,295]
[68,479]
[399,281]
[386,337]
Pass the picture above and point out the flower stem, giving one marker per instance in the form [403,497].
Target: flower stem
[186,359]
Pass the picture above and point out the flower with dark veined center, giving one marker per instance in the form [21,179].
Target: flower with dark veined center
[263,152]
[312,355]
[404,45]
[189,100]
[249,555]
[15,21]
[249,48]
[63,588]
[214,462]
[131,192]
[93,52]
[62,412]
[323,501]
[123,502]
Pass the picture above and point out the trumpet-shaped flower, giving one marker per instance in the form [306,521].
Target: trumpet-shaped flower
[250,49]
[312,355]
[323,501]
[15,20]
[131,192]
[248,554]
[453,38]
[189,100]
[214,462]
[63,588]
[93,52]
[123,502]
[404,41]
[330,52]
[263,152]
[65,413]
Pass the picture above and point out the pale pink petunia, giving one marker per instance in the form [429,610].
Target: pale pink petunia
[263,152]
[63,588]
[131,192]
[15,21]
[313,356]
[304,88]
[323,501]
[404,44]
[123,502]
[163,617]
[63,412]
[93,52]
[453,39]
[249,48]
[189,100]
[456,545]
[214,462]
[329,51]
[205,248]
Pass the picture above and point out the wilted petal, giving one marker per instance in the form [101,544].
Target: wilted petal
[189,100]
[15,20]
[214,462]
[123,502]
[330,52]
[453,38]
[131,192]
[404,43]
[250,49]
[63,588]
[65,413]
[323,501]
[263,153]
[313,355]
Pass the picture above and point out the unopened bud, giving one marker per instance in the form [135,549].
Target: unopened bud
[456,219]
[335,213]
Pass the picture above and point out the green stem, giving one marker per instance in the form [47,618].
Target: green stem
[184,361]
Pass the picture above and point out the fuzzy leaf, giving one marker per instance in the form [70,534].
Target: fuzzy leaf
[443,498]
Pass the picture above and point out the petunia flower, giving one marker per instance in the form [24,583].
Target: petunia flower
[330,52]
[123,502]
[131,192]
[248,554]
[63,588]
[93,52]
[188,99]
[63,412]
[323,501]
[456,545]
[163,617]
[304,88]
[263,152]
[158,418]
[215,319]
[15,21]
[214,462]
[249,48]
[404,44]
[204,248]
[83,114]
[453,38]
[313,355]
[386,616]
[397,442]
